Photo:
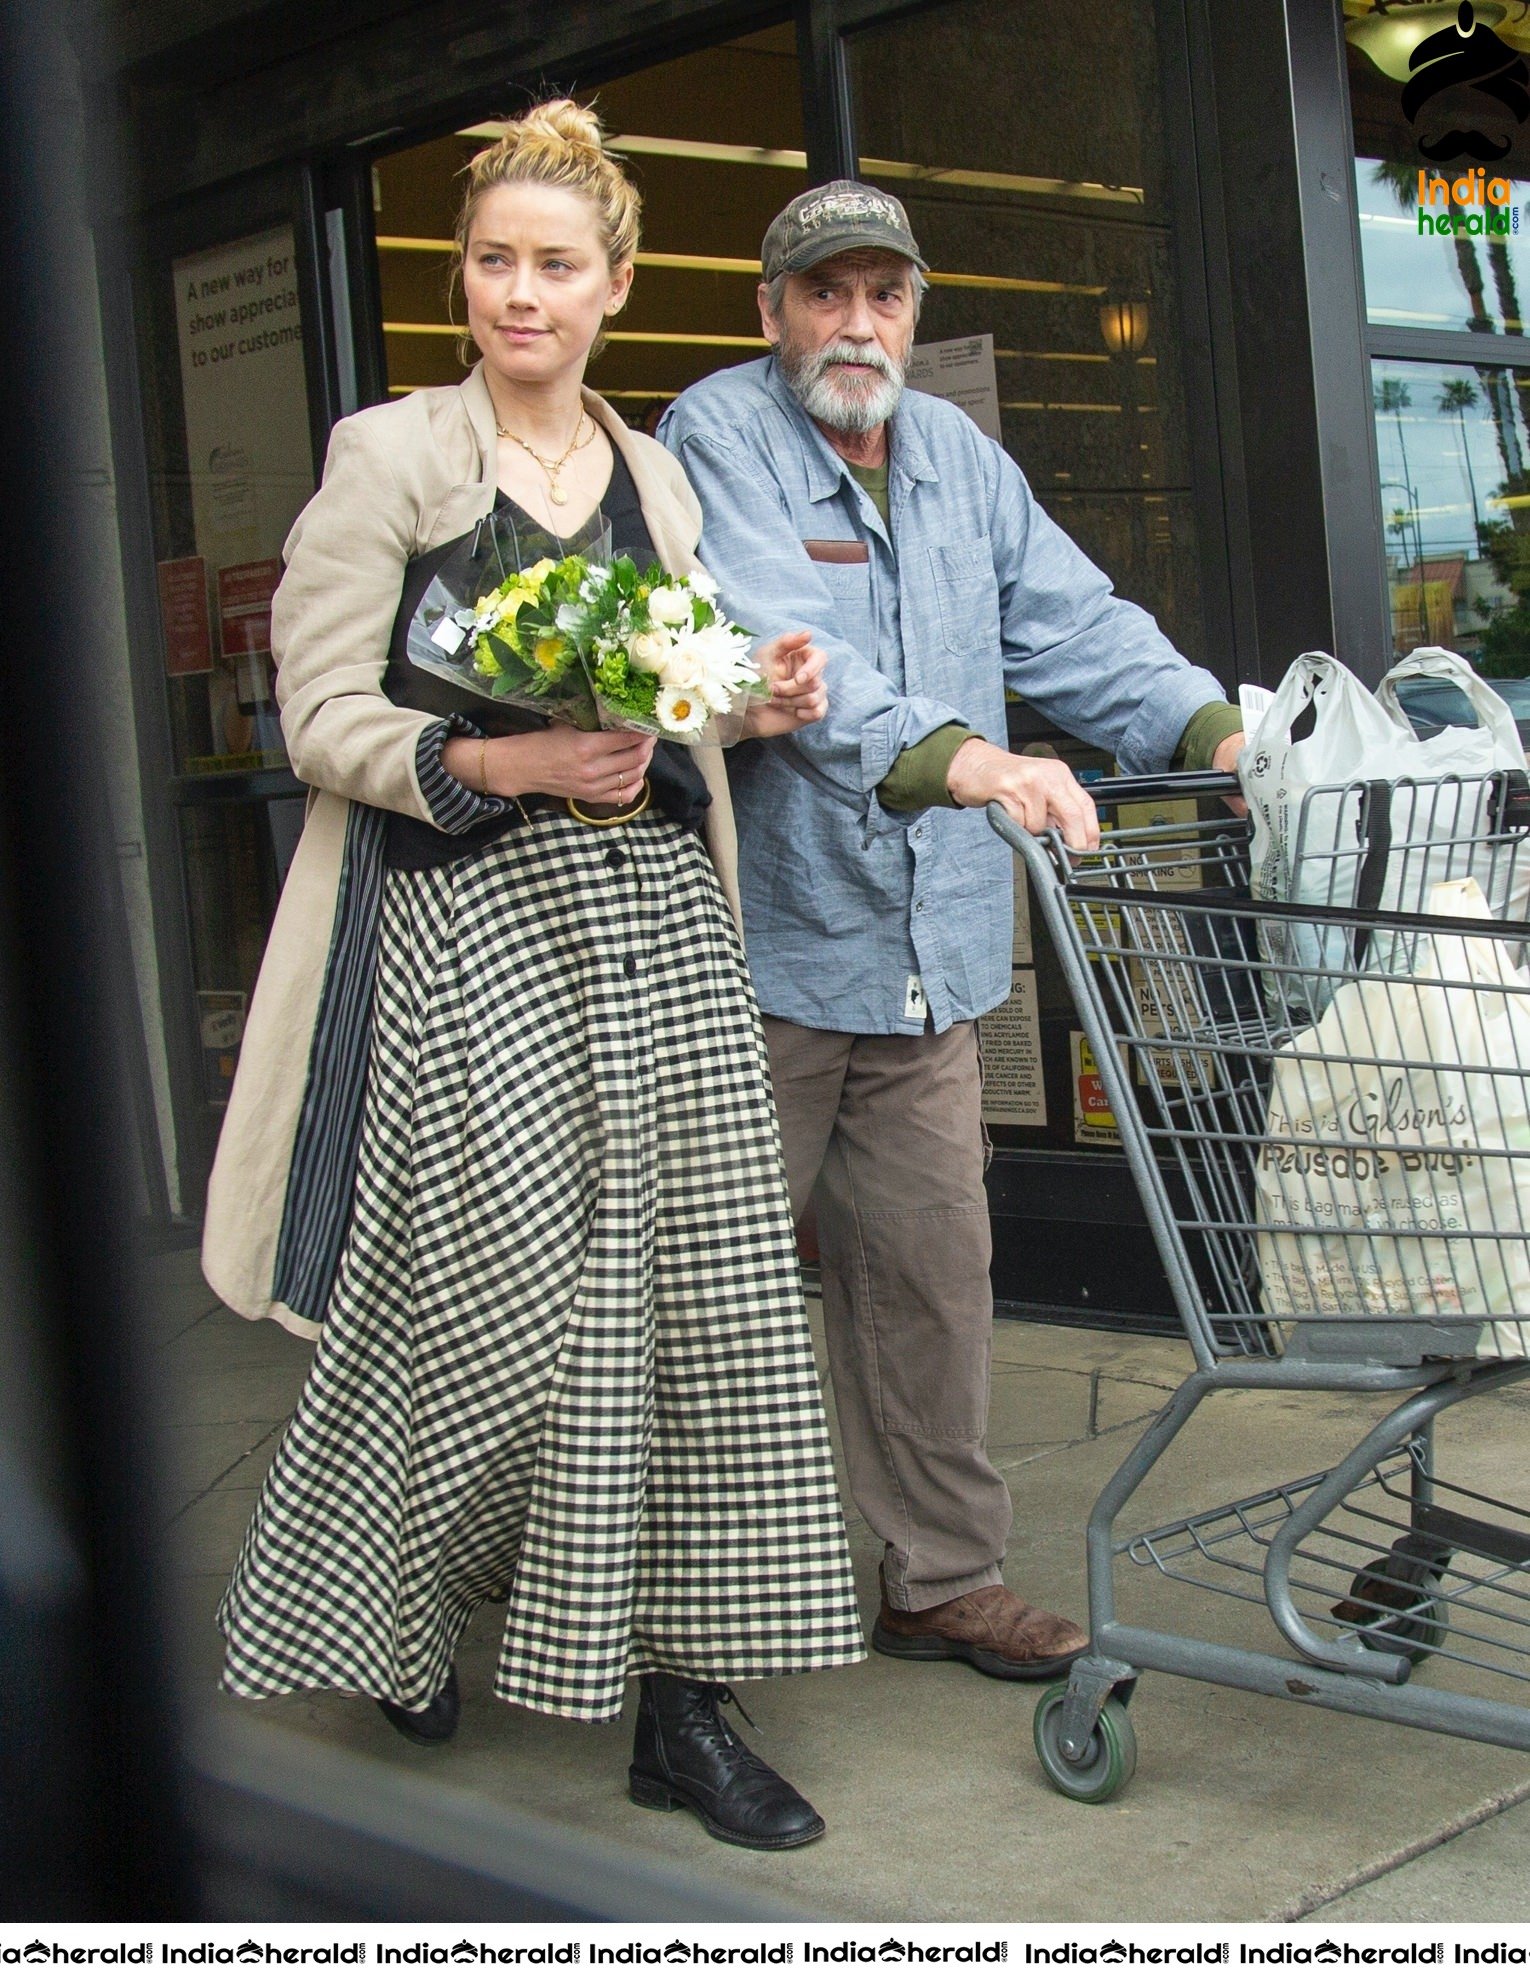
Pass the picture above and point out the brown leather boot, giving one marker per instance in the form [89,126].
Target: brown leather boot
[990,1628]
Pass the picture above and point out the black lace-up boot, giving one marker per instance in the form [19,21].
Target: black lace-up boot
[434,1723]
[686,1755]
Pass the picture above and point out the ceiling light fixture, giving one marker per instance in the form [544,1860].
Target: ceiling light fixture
[1390,32]
[705,152]
[723,264]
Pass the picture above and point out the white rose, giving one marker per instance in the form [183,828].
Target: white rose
[648,650]
[685,664]
[669,606]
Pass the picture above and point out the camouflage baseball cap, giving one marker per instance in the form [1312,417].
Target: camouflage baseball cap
[833,219]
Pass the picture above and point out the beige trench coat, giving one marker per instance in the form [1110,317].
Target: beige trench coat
[399,480]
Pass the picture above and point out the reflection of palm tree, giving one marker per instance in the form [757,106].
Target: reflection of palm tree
[1392,396]
[1509,316]
[1401,179]
[1458,396]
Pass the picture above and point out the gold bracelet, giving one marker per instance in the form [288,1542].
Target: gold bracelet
[617,818]
[483,766]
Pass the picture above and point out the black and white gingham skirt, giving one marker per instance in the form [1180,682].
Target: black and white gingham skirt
[566,1366]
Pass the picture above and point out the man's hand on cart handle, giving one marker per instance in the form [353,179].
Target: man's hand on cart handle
[1036,791]
[1225,759]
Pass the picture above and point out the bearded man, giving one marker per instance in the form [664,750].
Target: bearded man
[877,902]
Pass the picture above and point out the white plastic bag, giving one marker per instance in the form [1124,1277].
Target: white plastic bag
[1493,745]
[1286,783]
[1396,1169]
[1313,823]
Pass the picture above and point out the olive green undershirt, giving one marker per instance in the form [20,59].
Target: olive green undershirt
[874,481]
[918,776]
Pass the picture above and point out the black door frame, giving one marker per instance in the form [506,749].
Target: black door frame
[127,261]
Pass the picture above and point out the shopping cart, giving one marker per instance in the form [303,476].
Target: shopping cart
[1207,1012]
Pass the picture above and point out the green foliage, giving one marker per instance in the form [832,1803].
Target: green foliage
[1506,642]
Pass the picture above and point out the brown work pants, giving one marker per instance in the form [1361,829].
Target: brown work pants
[885,1136]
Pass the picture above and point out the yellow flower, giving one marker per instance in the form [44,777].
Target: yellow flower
[534,579]
[488,666]
[548,652]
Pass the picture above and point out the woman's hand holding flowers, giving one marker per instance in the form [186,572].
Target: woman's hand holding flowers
[794,668]
[601,766]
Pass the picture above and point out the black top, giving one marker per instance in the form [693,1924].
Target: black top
[679,789]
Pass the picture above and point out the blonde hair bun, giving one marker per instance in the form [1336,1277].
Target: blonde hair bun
[563,121]
[558,143]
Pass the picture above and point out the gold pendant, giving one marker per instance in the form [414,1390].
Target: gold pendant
[557,495]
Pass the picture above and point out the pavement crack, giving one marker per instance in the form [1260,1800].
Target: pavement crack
[1320,1894]
[212,1486]
[1091,1435]
[181,1332]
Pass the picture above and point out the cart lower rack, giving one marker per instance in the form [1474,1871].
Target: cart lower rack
[1326,1110]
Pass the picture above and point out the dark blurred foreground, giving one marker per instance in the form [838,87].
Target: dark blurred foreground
[108,1810]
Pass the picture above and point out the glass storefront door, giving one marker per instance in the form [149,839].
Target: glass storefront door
[1046,220]
[714,141]
[230,431]
[1049,229]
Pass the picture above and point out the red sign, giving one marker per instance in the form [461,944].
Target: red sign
[183,612]
[244,605]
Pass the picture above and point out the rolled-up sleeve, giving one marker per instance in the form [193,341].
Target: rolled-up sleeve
[454,806]
[1095,664]
[770,584]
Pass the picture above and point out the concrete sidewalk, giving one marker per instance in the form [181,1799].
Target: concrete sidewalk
[1243,1808]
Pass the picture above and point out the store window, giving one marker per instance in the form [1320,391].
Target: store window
[1442,180]
[1454,448]
[1043,210]
[714,141]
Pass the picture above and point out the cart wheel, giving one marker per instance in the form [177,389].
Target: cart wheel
[1380,1590]
[1109,1760]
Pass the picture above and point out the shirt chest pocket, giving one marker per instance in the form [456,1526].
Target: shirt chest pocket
[849,586]
[967,594]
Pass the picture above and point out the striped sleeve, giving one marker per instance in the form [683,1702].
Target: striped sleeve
[453,806]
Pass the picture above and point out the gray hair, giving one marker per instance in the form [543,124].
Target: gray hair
[775,290]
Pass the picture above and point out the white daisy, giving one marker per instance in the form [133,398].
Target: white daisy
[682,711]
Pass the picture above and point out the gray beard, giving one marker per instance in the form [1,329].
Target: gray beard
[859,408]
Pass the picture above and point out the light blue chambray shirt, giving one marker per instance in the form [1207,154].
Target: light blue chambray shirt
[972,590]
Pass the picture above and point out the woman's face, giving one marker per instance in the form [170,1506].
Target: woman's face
[537,282]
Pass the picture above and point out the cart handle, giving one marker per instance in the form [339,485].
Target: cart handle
[1162,784]
[1513,794]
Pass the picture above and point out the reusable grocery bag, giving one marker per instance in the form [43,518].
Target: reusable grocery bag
[1353,812]
[1395,1173]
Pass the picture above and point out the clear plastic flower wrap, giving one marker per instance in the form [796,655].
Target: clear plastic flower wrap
[561,626]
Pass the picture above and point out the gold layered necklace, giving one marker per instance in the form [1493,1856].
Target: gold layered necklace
[556,492]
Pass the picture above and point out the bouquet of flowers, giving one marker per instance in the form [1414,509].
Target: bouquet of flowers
[584,637]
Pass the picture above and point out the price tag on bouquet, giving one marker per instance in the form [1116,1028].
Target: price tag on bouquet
[581,635]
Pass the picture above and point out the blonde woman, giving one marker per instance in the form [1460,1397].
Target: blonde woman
[503,1121]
